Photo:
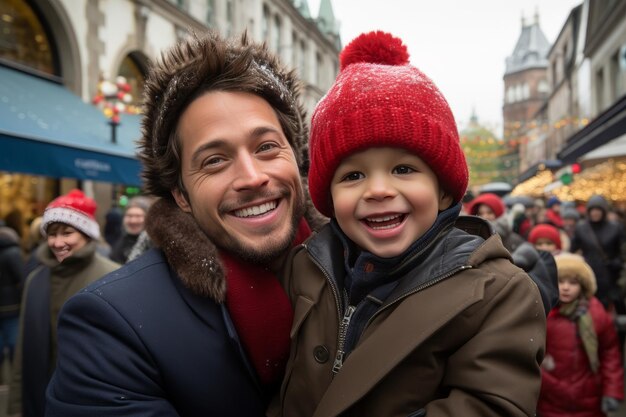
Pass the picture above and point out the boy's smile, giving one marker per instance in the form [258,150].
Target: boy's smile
[386,198]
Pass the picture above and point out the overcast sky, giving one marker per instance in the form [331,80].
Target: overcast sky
[460,44]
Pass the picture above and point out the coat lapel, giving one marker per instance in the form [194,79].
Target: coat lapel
[386,344]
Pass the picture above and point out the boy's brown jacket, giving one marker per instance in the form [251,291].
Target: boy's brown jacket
[464,336]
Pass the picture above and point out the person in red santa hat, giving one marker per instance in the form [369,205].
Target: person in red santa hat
[401,307]
[67,263]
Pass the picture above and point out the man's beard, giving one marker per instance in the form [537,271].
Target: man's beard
[270,249]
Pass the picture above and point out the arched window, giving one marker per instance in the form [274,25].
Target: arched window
[132,69]
[23,38]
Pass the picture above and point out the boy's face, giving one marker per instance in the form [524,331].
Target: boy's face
[546,244]
[386,198]
[569,289]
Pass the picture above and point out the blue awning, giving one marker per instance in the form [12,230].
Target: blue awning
[47,130]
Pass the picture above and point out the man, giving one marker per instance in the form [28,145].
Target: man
[199,326]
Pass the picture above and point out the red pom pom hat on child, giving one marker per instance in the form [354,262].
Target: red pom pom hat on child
[380,100]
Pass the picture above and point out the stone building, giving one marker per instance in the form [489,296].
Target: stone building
[55,56]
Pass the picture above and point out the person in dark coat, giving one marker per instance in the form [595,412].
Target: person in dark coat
[601,242]
[199,325]
[66,263]
[11,284]
[582,373]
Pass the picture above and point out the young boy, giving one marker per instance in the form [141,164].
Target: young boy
[397,310]
[582,373]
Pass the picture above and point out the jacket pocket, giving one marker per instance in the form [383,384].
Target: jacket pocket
[300,312]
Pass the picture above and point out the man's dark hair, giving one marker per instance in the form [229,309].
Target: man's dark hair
[195,66]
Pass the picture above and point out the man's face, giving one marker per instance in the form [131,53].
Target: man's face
[596,214]
[240,175]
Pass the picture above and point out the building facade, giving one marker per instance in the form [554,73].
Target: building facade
[76,46]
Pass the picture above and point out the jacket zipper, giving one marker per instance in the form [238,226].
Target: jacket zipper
[417,289]
[343,330]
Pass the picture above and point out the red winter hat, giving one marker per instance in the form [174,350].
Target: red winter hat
[379,100]
[545,231]
[74,209]
[494,202]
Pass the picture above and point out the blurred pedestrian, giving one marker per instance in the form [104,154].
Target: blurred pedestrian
[113,225]
[601,242]
[67,263]
[492,208]
[582,372]
[553,212]
[546,237]
[134,222]
[570,217]
[11,283]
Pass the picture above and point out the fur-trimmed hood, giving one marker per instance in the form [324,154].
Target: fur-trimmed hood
[190,253]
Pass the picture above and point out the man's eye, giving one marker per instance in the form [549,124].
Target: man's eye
[352,176]
[212,161]
[267,147]
[403,169]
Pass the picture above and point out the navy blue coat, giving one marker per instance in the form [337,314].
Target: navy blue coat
[138,343]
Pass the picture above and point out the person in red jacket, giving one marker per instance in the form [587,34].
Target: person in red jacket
[582,373]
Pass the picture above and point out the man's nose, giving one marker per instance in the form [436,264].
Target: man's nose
[249,173]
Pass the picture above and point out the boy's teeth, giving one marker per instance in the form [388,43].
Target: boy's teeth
[383,219]
[256,210]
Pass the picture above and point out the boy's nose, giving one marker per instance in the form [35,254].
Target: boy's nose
[379,188]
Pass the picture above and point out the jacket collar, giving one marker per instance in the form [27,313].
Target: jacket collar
[188,250]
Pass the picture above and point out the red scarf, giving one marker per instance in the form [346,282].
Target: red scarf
[261,312]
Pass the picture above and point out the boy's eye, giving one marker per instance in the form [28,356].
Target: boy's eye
[352,176]
[403,169]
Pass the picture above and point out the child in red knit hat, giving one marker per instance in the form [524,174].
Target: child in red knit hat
[401,307]
[546,237]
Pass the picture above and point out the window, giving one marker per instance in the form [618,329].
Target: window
[525,91]
[600,89]
[23,39]
[275,35]
[319,69]
[135,77]
[265,24]
[210,13]
[303,60]
[543,87]
[230,18]
[615,76]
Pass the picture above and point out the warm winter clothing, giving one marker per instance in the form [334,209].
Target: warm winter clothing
[46,290]
[460,330]
[571,388]
[601,244]
[122,248]
[379,100]
[174,350]
[74,209]
[545,231]
[493,201]
[11,273]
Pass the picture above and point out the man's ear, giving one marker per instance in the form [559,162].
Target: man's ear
[181,200]
[445,200]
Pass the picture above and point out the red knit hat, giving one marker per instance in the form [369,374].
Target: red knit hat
[74,209]
[379,100]
[545,231]
[494,202]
